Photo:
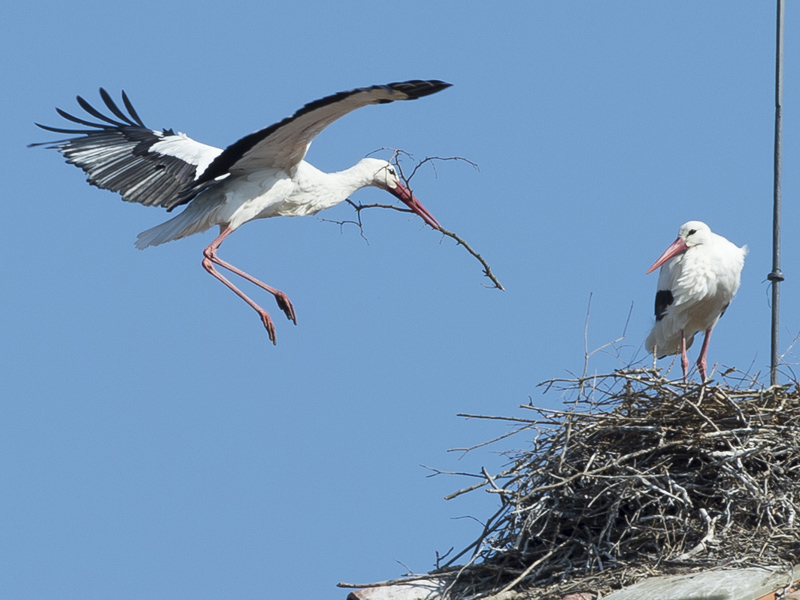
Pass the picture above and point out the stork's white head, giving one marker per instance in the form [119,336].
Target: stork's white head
[691,234]
[385,176]
[694,233]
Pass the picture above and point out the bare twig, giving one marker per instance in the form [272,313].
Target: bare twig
[487,271]
[397,156]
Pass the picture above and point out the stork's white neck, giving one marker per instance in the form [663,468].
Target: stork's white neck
[318,190]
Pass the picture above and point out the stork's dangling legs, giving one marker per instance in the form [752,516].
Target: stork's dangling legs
[210,258]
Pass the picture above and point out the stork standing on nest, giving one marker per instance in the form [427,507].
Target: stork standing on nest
[700,273]
[262,175]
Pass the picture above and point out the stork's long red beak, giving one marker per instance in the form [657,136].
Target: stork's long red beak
[675,248]
[405,196]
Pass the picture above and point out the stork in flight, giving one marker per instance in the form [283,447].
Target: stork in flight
[262,175]
[700,273]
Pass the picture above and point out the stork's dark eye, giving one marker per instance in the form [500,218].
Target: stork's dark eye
[391,170]
[692,231]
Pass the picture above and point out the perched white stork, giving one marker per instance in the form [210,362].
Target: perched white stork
[700,275]
[262,175]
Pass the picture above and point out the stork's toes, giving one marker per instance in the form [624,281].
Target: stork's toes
[286,306]
[267,321]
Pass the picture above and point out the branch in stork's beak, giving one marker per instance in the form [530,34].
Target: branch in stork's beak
[405,196]
[675,248]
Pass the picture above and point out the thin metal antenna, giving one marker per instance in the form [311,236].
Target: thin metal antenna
[776,276]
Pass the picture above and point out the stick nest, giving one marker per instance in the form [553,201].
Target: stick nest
[639,476]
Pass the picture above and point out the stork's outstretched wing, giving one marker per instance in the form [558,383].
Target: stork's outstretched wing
[123,155]
[284,144]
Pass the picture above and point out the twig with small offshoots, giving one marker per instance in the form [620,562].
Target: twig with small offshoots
[395,160]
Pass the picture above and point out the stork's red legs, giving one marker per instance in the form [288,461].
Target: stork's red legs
[684,358]
[210,259]
[701,362]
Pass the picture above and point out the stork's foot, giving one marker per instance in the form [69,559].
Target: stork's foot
[701,362]
[701,366]
[685,367]
[286,306]
[268,325]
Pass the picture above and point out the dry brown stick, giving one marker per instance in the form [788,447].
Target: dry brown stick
[492,483]
[468,564]
[487,270]
[458,473]
[491,525]
[530,568]
[477,485]
[395,160]
[699,412]
[464,451]
[390,582]
[702,544]
[432,160]
[498,418]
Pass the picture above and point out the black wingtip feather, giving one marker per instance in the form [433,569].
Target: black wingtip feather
[55,144]
[418,88]
[80,121]
[62,130]
[112,106]
[131,110]
[96,113]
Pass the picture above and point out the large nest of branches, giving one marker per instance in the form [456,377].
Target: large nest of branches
[639,476]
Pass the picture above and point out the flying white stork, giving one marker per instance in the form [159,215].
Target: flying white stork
[700,275]
[262,175]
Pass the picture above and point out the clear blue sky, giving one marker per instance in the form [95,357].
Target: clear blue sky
[154,444]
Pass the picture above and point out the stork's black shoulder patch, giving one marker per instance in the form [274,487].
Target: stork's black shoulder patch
[663,300]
